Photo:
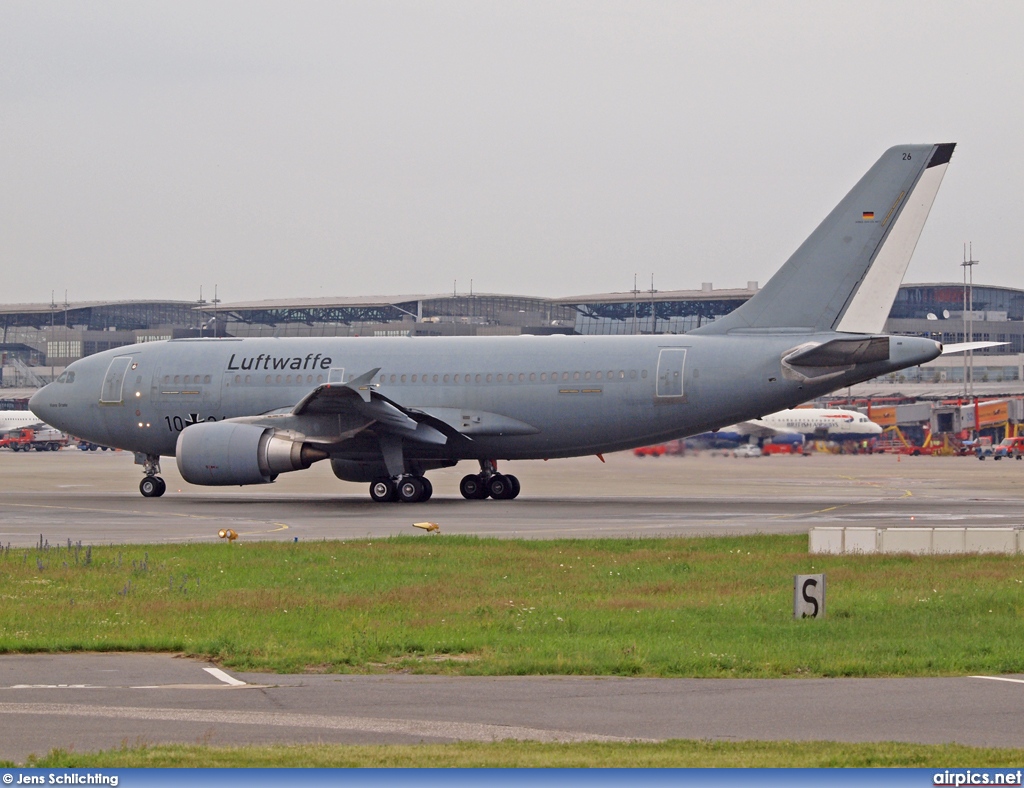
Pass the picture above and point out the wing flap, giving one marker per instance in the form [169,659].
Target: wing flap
[479,422]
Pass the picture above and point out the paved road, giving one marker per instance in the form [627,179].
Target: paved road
[93,498]
[100,701]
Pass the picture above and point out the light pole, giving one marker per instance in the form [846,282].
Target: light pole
[968,265]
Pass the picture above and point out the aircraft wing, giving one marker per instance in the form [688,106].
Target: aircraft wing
[358,404]
[359,399]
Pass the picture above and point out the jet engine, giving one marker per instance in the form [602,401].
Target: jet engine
[225,452]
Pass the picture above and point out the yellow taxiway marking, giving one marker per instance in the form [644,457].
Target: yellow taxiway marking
[906,494]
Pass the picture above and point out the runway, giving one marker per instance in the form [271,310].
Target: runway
[93,498]
[101,701]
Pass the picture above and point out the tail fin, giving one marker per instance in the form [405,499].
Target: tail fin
[844,277]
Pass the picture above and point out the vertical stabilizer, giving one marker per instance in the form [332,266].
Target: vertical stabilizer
[845,276]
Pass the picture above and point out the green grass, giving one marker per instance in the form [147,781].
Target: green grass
[655,607]
[670,754]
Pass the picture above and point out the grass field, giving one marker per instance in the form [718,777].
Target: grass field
[665,607]
[670,754]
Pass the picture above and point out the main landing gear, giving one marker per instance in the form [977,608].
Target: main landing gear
[151,486]
[407,489]
[489,484]
[411,488]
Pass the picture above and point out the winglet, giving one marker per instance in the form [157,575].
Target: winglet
[363,385]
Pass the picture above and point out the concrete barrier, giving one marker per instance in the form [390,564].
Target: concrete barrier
[826,540]
[906,540]
[860,540]
[949,540]
[991,540]
[916,541]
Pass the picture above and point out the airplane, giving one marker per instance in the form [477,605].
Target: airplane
[832,423]
[19,419]
[386,410]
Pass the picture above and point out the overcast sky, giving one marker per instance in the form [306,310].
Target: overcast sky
[547,148]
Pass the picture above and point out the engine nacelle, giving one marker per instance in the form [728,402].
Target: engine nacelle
[226,452]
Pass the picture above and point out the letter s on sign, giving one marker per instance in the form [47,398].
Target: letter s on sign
[812,583]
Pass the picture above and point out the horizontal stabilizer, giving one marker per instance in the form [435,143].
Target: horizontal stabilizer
[962,347]
[841,353]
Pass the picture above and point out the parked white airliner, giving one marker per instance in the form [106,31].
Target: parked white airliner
[18,419]
[832,423]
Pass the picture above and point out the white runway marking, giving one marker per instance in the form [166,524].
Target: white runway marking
[998,678]
[219,674]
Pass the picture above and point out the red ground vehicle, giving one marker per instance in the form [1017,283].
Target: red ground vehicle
[784,448]
[1009,447]
[650,451]
[41,440]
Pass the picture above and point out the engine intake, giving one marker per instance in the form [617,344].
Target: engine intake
[228,453]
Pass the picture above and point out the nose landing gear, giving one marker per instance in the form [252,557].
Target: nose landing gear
[151,486]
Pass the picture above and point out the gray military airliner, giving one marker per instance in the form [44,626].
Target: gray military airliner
[385,411]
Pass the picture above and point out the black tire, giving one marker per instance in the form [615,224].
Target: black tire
[383,491]
[163,486]
[150,487]
[410,489]
[499,487]
[428,489]
[472,487]
[514,483]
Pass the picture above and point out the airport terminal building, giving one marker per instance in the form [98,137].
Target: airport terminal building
[38,340]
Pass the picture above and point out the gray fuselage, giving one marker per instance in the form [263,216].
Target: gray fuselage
[578,395]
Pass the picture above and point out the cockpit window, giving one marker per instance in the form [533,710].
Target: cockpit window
[67,376]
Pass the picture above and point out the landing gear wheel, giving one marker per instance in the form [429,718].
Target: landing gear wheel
[472,487]
[428,489]
[499,487]
[383,491]
[152,487]
[411,489]
[514,484]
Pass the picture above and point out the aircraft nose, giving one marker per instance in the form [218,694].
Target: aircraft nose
[39,403]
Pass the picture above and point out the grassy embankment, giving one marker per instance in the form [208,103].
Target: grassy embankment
[665,607]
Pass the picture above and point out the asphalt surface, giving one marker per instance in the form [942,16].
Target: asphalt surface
[93,498]
[92,701]
[102,701]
